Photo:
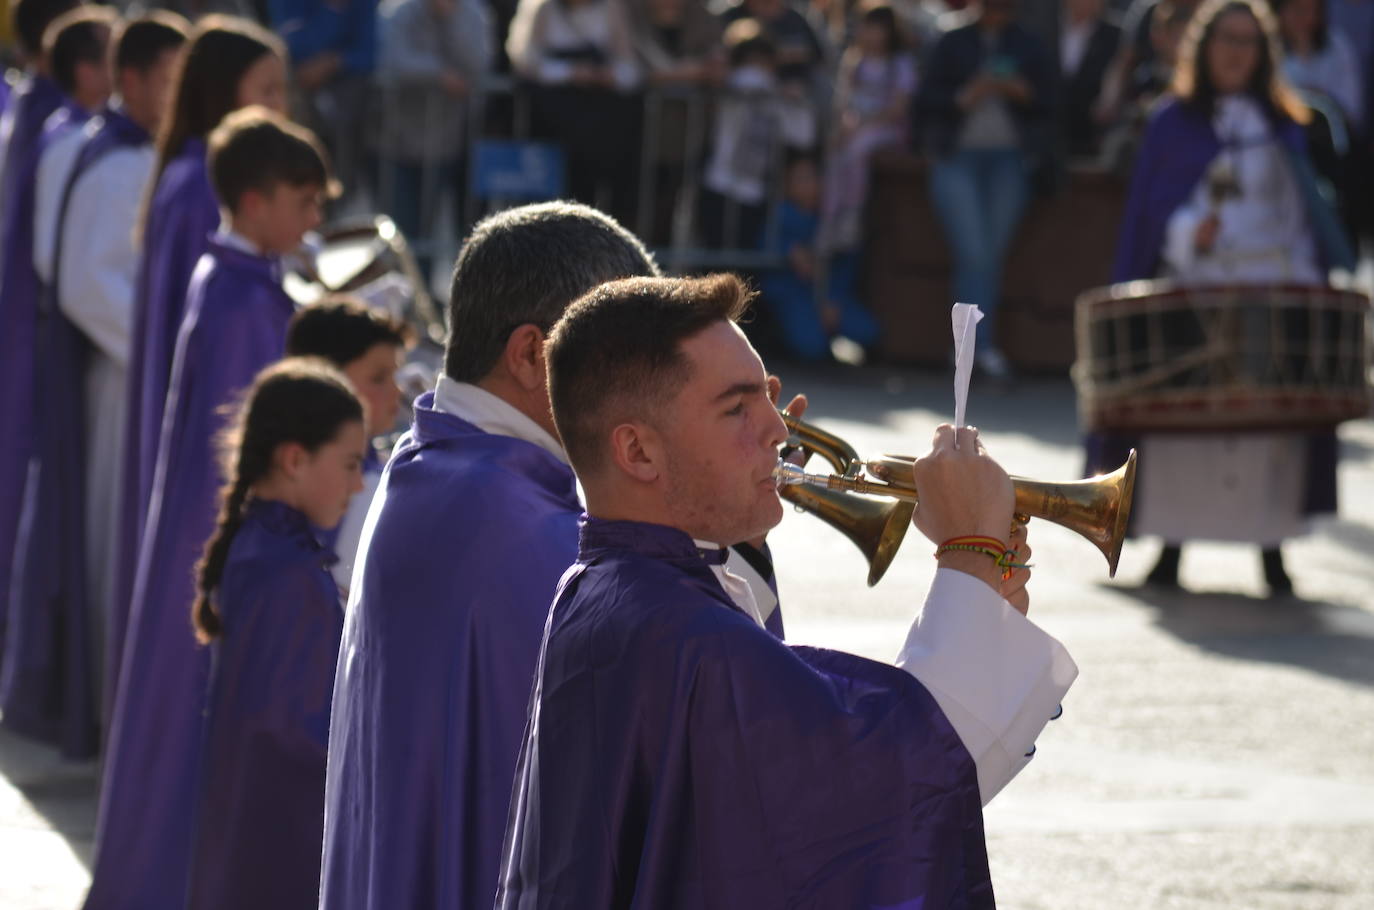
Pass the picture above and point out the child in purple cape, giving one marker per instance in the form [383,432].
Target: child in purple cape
[270,177]
[367,345]
[270,611]
[228,64]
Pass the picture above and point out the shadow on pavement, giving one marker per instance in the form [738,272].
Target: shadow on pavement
[1326,638]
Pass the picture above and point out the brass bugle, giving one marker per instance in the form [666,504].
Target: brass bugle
[1097,508]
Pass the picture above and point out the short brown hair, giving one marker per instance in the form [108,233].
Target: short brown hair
[256,149]
[617,353]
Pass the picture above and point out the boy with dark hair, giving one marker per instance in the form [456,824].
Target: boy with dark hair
[677,755]
[271,180]
[87,261]
[76,47]
[367,345]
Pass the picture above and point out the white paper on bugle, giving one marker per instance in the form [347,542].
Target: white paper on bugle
[964,316]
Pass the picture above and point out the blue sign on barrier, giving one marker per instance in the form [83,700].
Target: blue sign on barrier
[517,171]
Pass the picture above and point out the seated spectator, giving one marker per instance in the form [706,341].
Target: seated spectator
[756,119]
[876,85]
[1319,58]
[332,45]
[432,58]
[983,111]
[809,313]
[1088,41]
[579,57]
[800,53]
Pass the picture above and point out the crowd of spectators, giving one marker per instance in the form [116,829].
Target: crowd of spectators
[1000,96]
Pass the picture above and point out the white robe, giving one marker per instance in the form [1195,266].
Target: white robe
[1244,487]
[96,292]
[54,168]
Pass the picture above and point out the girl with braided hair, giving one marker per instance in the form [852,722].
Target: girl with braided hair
[270,611]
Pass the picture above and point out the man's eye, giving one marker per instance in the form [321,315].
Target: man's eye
[736,410]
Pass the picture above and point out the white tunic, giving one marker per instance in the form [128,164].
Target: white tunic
[96,292]
[54,168]
[996,675]
[1234,486]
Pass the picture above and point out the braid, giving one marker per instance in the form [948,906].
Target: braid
[296,400]
[204,617]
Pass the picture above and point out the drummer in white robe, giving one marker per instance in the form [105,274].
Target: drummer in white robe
[1250,219]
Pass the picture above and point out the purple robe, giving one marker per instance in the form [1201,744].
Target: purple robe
[235,325]
[1177,149]
[470,534]
[678,756]
[182,215]
[261,813]
[34,101]
[46,689]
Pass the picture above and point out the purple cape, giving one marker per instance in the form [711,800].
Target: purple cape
[261,812]
[677,755]
[1178,147]
[34,101]
[46,690]
[471,534]
[235,324]
[182,215]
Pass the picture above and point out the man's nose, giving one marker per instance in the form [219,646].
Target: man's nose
[776,429]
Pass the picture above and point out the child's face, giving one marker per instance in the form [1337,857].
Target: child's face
[330,475]
[872,39]
[264,83]
[277,221]
[804,186]
[374,378]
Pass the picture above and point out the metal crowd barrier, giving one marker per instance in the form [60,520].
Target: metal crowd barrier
[497,117]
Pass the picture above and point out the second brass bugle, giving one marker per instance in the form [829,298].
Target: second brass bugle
[1097,508]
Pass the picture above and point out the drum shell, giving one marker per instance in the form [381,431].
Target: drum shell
[1157,357]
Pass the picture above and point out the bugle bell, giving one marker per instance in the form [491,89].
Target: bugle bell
[1097,508]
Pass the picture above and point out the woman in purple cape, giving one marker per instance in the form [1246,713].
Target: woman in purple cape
[1232,121]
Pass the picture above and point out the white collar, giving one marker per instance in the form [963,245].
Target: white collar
[739,589]
[233,239]
[492,414]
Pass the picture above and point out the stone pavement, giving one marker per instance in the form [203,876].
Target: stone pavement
[1217,750]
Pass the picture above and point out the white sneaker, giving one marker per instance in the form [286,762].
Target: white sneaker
[992,364]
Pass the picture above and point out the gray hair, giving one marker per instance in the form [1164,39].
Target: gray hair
[525,266]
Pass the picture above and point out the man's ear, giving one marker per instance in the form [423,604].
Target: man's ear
[638,451]
[524,357]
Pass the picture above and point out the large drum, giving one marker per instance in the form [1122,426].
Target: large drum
[1152,356]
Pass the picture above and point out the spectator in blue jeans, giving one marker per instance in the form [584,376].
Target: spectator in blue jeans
[983,117]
